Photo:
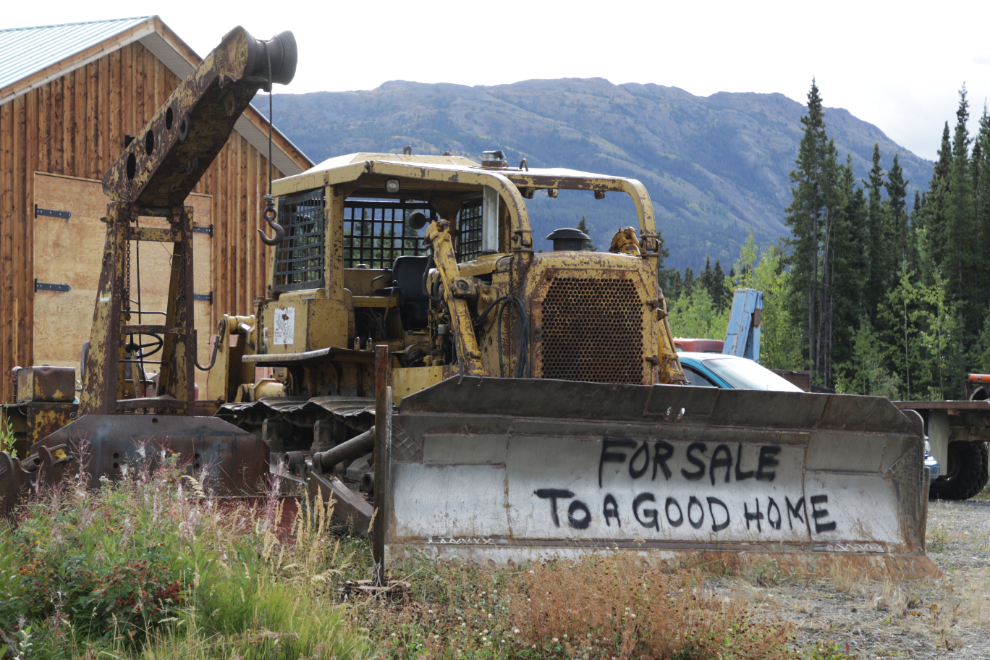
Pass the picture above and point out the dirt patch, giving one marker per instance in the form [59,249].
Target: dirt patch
[944,618]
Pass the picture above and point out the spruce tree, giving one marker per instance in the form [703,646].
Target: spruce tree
[934,214]
[720,292]
[805,219]
[896,216]
[589,245]
[672,283]
[688,287]
[705,280]
[865,372]
[880,262]
[979,265]
[901,313]
[915,235]
[960,255]
[981,208]
[849,264]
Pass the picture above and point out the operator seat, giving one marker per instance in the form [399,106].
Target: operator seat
[407,278]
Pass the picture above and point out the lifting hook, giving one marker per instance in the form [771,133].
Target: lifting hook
[270,215]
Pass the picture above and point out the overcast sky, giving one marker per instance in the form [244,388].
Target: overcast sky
[896,65]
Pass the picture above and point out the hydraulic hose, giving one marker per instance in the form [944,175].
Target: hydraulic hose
[522,352]
[426,272]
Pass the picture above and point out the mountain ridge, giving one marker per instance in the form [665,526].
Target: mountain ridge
[716,167]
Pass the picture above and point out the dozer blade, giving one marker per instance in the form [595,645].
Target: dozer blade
[497,470]
[228,461]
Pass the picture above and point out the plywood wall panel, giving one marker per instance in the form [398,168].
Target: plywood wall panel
[67,251]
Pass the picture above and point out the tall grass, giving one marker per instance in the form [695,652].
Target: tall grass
[148,567]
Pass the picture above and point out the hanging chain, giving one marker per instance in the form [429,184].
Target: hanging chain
[270,211]
[271,123]
[126,302]
[270,214]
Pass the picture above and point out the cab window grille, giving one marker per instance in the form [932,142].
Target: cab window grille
[469,224]
[299,258]
[375,232]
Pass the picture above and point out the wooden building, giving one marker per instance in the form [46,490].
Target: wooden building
[69,94]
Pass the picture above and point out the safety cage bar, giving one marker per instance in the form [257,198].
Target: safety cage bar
[469,223]
[299,258]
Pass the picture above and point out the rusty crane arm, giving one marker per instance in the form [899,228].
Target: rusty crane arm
[173,150]
[153,177]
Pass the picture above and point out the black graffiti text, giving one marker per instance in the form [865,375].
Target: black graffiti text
[712,513]
[718,462]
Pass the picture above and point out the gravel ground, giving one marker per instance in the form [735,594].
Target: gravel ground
[942,618]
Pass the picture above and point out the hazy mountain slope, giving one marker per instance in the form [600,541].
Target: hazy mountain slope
[716,167]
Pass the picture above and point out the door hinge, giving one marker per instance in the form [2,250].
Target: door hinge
[204,230]
[49,212]
[47,286]
[208,297]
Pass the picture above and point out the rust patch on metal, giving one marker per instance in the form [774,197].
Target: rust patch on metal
[49,384]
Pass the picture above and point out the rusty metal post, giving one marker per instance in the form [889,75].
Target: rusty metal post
[177,375]
[100,383]
[383,433]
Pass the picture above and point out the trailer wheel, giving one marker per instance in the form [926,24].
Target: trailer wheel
[966,473]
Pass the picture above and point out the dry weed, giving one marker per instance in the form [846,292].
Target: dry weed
[617,607]
[846,577]
[976,597]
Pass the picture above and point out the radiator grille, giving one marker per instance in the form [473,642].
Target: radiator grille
[593,331]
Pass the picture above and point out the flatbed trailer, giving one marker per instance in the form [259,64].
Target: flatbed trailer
[957,432]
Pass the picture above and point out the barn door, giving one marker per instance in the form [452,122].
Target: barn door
[68,256]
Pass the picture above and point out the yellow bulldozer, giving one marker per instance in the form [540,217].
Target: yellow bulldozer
[535,404]
[418,361]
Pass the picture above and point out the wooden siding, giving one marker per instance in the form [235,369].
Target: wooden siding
[75,126]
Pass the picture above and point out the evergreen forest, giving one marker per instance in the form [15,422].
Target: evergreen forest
[873,291]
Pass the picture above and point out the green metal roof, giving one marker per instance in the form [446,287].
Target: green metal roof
[25,51]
